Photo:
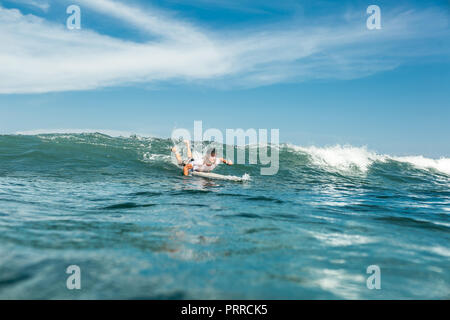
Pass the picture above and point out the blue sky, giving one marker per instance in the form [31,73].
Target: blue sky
[310,68]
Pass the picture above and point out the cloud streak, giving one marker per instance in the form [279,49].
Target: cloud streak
[40,4]
[37,56]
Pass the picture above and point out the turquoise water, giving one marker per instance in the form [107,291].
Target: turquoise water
[120,210]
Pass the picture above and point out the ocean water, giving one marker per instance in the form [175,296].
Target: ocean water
[120,210]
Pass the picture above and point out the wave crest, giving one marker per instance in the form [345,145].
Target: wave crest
[348,158]
[98,146]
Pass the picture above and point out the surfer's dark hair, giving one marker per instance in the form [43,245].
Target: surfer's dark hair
[213,151]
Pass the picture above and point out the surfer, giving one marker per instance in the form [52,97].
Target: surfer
[206,164]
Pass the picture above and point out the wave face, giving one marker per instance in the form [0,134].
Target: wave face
[120,209]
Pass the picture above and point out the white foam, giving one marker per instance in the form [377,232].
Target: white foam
[442,165]
[339,282]
[445,224]
[341,157]
[349,158]
[148,157]
[342,240]
[440,251]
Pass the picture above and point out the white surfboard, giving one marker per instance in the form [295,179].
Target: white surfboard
[211,175]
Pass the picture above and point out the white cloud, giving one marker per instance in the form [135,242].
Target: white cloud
[41,4]
[40,56]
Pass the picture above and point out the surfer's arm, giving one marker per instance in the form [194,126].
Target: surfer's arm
[228,162]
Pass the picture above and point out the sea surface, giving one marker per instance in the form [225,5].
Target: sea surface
[119,208]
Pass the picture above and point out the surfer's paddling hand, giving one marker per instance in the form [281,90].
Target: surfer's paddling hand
[227,162]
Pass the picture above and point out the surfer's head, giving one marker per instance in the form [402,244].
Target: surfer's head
[210,157]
